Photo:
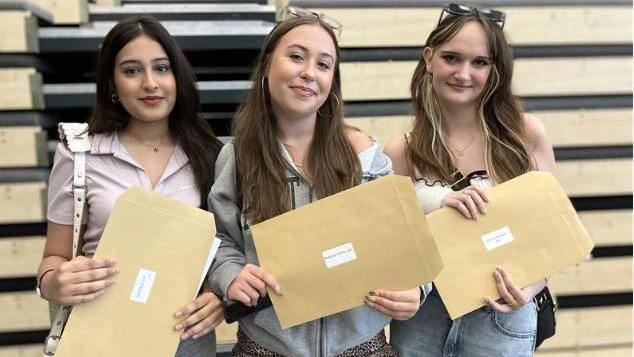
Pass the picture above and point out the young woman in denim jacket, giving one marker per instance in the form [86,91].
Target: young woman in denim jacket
[468,120]
[291,148]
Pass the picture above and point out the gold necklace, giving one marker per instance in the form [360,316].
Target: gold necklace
[460,151]
[155,148]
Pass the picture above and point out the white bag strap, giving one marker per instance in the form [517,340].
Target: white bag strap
[75,136]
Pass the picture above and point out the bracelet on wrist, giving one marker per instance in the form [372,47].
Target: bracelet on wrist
[38,288]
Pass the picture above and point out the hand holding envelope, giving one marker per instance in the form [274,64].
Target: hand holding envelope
[530,229]
[163,249]
[328,255]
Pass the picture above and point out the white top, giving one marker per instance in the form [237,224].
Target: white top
[431,193]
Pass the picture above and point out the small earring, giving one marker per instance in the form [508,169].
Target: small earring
[263,89]
[114,98]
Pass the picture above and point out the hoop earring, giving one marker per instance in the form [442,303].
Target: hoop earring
[336,108]
[114,98]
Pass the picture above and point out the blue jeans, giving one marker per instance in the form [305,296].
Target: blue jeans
[481,333]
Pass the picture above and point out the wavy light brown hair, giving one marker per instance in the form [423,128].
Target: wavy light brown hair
[187,125]
[499,111]
[331,160]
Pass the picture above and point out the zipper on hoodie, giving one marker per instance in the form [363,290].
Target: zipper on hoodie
[292,182]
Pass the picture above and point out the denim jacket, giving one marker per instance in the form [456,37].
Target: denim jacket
[327,336]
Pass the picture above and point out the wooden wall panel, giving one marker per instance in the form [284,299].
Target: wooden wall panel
[20,256]
[595,177]
[22,202]
[22,27]
[21,351]
[586,327]
[108,2]
[23,311]
[604,351]
[572,76]
[609,227]
[22,146]
[525,25]
[587,127]
[390,80]
[383,128]
[21,89]
[66,12]
[597,276]
[565,128]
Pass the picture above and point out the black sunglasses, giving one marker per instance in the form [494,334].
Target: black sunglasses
[461,10]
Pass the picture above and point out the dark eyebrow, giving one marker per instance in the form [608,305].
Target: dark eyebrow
[325,54]
[460,55]
[134,61]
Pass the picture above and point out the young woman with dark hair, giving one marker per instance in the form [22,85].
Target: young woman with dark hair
[145,131]
[467,120]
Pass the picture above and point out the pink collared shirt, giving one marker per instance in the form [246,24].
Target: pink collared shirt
[110,170]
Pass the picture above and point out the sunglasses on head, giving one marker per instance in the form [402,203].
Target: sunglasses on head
[293,11]
[463,10]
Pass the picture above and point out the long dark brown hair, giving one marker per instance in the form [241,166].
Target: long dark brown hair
[499,111]
[186,124]
[331,160]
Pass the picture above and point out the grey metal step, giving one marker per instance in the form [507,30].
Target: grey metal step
[193,1]
[41,13]
[82,95]
[440,3]
[172,11]
[45,120]
[190,35]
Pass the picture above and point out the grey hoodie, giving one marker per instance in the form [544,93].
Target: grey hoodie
[327,336]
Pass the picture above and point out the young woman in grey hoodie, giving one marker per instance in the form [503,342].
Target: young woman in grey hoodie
[291,148]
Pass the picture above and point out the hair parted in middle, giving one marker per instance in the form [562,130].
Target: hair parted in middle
[186,124]
[332,161]
[499,111]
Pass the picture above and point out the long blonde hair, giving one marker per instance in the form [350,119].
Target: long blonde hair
[499,111]
[331,159]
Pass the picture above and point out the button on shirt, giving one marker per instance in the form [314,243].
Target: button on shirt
[110,170]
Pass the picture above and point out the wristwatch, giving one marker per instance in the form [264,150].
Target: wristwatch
[38,287]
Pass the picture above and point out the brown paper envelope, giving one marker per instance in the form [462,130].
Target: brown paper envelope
[547,236]
[376,233]
[162,236]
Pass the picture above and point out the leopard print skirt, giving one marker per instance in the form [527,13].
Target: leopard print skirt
[376,347]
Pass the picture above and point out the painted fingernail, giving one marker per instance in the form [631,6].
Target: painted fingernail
[278,290]
[367,300]
[372,293]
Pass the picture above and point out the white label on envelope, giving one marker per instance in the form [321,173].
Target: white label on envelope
[339,255]
[497,238]
[143,286]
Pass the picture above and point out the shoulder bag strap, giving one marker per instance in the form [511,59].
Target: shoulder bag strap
[75,137]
